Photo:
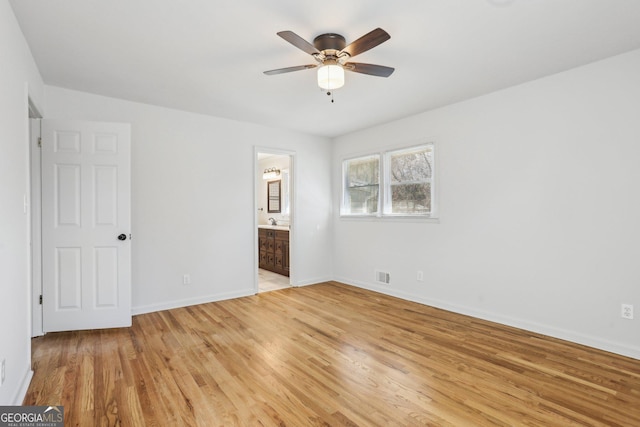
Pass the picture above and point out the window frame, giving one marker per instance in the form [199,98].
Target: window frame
[387,181]
[343,199]
[384,185]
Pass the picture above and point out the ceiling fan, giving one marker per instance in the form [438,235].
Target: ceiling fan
[333,56]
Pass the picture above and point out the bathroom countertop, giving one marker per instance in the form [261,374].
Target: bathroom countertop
[274,227]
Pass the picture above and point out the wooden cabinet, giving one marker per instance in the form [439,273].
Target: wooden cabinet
[274,250]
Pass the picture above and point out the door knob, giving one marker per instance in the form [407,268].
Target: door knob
[122,237]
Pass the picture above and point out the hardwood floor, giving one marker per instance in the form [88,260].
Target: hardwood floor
[328,354]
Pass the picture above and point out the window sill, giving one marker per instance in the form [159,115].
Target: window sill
[392,218]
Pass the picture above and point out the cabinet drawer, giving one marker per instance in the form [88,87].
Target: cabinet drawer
[282,235]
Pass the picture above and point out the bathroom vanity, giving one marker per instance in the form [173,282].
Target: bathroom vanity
[273,245]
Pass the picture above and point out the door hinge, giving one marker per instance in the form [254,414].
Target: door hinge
[40,299]
[40,142]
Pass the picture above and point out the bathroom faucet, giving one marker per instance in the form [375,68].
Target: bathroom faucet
[273,221]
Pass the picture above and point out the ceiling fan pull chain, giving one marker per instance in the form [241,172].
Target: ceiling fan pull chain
[329,92]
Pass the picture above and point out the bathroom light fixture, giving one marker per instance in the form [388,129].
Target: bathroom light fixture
[330,77]
[271,173]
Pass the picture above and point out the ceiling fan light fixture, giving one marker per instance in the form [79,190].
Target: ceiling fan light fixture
[330,77]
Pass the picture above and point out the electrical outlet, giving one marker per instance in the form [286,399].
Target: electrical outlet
[186,279]
[627,311]
[420,276]
[2,371]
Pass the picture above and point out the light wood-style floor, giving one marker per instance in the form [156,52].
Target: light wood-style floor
[328,354]
[270,281]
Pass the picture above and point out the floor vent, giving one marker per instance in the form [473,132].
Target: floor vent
[382,277]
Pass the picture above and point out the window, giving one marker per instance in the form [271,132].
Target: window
[361,185]
[406,183]
[408,177]
[285,193]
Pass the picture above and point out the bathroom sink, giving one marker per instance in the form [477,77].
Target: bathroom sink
[274,227]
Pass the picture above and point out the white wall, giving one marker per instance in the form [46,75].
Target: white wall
[19,78]
[539,208]
[193,199]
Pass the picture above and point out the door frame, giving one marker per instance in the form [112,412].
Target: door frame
[293,203]
[35,222]
[99,297]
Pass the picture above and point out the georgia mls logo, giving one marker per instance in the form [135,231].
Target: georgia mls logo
[53,408]
[31,416]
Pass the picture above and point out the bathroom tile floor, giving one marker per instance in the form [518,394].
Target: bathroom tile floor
[270,281]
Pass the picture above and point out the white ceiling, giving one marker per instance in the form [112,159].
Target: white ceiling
[207,56]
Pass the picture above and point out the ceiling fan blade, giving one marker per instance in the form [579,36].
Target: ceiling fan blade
[298,42]
[289,69]
[371,69]
[366,42]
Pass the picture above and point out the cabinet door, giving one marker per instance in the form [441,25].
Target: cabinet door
[279,256]
[262,260]
[285,256]
[282,252]
[279,247]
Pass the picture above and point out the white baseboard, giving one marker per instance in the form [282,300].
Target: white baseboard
[152,308]
[190,301]
[563,334]
[314,281]
[18,399]
[567,335]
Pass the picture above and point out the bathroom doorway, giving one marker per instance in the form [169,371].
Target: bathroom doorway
[274,219]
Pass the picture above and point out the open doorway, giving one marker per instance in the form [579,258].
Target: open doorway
[274,219]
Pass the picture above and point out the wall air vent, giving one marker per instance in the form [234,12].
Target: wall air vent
[383,277]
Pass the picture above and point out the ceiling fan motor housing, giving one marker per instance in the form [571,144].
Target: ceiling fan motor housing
[329,41]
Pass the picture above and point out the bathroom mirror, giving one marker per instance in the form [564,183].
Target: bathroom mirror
[273,196]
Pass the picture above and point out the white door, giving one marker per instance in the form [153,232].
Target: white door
[86,221]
